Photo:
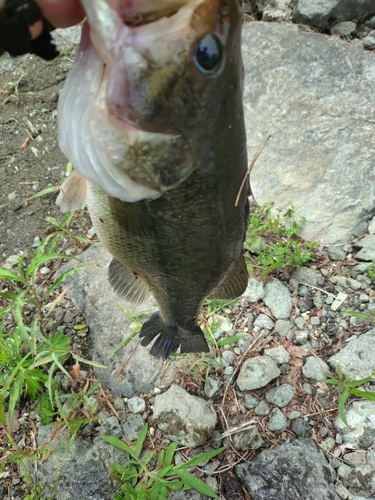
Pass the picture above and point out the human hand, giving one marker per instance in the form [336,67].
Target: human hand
[25,25]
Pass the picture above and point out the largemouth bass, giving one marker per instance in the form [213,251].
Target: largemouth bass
[151,117]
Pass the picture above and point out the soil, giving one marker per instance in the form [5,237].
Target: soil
[30,158]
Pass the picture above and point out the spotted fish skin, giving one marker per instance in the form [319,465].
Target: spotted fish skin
[185,243]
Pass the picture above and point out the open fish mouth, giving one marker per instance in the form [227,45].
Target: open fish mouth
[137,13]
[117,117]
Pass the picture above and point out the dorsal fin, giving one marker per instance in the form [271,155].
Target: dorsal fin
[73,193]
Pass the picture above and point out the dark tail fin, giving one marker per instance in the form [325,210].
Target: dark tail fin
[168,338]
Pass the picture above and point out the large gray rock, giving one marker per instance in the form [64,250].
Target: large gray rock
[311,94]
[361,479]
[357,358]
[256,373]
[277,298]
[327,12]
[184,418]
[315,369]
[80,473]
[360,431]
[292,471]
[367,246]
[132,370]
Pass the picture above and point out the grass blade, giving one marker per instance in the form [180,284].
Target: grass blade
[199,459]
[342,400]
[120,444]
[196,483]
[141,438]
[170,453]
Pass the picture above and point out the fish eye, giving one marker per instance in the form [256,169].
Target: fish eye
[208,54]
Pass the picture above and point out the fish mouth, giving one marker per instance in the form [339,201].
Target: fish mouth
[127,33]
[117,122]
[139,15]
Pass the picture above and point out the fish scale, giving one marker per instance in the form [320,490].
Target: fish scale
[187,243]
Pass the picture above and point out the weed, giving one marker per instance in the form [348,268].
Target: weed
[365,317]
[12,88]
[141,481]
[274,240]
[347,388]
[32,349]
[135,326]
[35,491]
[371,271]
[62,229]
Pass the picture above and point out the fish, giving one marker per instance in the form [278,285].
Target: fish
[151,117]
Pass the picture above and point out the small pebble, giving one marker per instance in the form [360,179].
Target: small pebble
[136,405]
[262,408]
[369,43]
[228,356]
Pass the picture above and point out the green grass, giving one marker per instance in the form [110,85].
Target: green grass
[272,242]
[33,349]
[347,388]
[141,481]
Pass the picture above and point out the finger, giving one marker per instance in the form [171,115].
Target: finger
[62,13]
[36,29]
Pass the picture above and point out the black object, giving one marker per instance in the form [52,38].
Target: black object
[15,18]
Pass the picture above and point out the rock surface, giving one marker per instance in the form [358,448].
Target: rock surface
[361,419]
[82,472]
[257,372]
[132,370]
[357,358]
[277,299]
[310,94]
[293,471]
[324,13]
[184,418]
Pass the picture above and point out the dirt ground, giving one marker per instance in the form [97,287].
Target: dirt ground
[30,158]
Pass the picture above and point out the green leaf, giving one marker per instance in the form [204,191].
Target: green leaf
[196,483]
[65,275]
[355,314]
[357,383]
[54,222]
[35,263]
[230,340]
[363,394]
[126,341]
[88,361]
[79,327]
[141,437]
[331,381]
[199,459]
[43,192]
[7,274]
[342,400]
[33,380]
[155,491]
[8,295]
[170,453]
[164,472]
[173,485]
[14,396]
[161,458]
[120,444]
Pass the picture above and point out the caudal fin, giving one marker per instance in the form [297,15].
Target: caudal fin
[169,338]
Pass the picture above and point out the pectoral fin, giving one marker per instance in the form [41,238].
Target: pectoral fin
[133,217]
[73,193]
[127,283]
[235,284]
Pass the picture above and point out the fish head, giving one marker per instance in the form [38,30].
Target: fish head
[136,114]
